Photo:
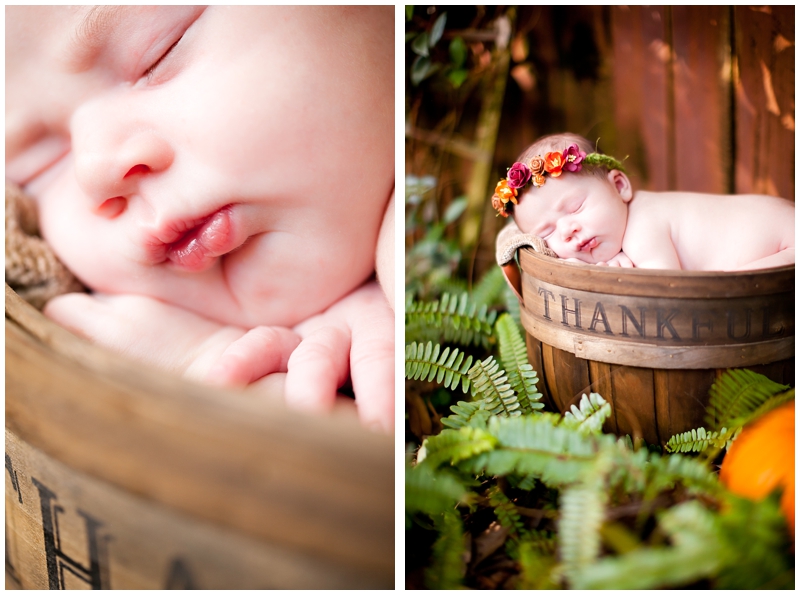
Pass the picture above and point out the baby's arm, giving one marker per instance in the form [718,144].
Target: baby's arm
[175,339]
[782,258]
[384,253]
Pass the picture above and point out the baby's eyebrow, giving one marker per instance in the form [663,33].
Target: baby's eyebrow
[90,36]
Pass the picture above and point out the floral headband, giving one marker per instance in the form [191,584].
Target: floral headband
[552,164]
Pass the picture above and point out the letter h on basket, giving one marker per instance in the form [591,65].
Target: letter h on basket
[96,575]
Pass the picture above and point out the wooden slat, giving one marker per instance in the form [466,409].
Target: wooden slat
[681,397]
[573,377]
[551,380]
[600,377]
[535,358]
[641,60]
[702,98]
[634,396]
[765,140]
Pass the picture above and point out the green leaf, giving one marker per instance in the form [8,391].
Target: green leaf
[422,69]
[438,29]
[458,52]
[457,77]
[411,35]
[409,11]
[455,209]
[420,44]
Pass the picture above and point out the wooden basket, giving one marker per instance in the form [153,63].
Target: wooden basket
[652,342]
[120,476]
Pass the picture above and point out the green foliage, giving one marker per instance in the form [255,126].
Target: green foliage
[506,512]
[432,363]
[582,511]
[446,569]
[466,413]
[590,416]
[453,446]
[535,555]
[454,319]
[432,491]
[521,376]
[698,440]
[737,395]
[490,383]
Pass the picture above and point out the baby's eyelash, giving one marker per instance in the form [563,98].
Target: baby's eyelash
[149,72]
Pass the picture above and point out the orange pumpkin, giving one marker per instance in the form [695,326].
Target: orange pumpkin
[762,458]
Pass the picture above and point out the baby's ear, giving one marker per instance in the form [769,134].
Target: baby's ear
[622,184]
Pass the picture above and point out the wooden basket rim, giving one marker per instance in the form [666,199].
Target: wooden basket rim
[648,282]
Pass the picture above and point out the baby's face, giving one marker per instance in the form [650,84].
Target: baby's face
[579,216]
[235,161]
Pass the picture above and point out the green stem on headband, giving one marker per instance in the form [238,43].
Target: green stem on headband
[605,160]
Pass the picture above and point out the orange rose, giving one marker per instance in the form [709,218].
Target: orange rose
[538,180]
[505,193]
[537,165]
[553,162]
[497,204]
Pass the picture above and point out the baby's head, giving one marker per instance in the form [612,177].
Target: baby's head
[568,194]
[236,161]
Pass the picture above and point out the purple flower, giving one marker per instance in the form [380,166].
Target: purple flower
[518,175]
[572,158]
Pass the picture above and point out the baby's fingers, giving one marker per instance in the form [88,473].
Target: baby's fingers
[261,351]
[317,368]
[372,371]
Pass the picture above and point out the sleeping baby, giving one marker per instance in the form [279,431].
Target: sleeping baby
[582,204]
[221,178]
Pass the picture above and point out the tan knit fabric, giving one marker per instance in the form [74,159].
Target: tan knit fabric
[32,269]
[510,239]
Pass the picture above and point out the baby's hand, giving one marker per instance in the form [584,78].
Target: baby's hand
[175,339]
[356,333]
[620,260]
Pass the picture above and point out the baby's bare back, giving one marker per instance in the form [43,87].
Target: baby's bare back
[709,232]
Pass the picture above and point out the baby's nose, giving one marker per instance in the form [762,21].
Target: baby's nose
[113,155]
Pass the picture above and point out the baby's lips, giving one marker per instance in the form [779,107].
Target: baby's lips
[199,249]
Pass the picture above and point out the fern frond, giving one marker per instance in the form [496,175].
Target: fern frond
[506,512]
[590,417]
[453,446]
[699,439]
[466,413]
[697,552]
[582,513]
[490,383]
[489,290]
[532,445]
[432,491]
[736,394]
[535,556]
[514,356]
[447,368]
[664,472]
[448,555]
[766,406]
[455,319]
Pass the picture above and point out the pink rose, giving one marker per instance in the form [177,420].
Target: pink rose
[518,175]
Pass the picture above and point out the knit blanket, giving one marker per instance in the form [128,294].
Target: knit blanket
[32,268]
[510,239]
